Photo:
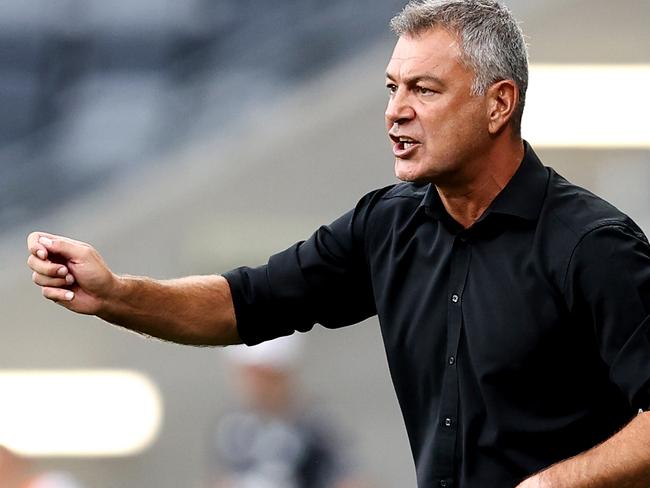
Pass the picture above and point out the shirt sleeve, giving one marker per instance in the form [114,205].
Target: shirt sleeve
[323,280]
[609,282]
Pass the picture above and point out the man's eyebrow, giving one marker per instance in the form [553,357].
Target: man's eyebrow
[415,79]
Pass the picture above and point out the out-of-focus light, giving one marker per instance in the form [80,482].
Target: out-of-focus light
[599,106]
[81,413]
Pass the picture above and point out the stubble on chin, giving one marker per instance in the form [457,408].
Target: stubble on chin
[406,171]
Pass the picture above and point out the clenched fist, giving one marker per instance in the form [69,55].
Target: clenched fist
[71,273]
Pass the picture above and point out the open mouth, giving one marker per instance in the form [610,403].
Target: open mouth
[403,145]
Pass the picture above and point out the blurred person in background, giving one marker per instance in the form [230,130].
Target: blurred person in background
[17,472]
[13,469]
[275,438]
[514,306]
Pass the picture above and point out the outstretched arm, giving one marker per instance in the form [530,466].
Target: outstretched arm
[195,310]
[623,461]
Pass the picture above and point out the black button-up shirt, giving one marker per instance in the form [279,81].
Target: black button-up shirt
[513,344]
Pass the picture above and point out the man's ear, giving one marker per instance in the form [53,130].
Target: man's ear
[502,100]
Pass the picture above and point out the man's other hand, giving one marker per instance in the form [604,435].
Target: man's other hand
[69,272]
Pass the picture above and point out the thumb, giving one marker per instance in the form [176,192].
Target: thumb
[66,248]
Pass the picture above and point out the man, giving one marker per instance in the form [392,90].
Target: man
[514,306]
[16,472]
[274,437]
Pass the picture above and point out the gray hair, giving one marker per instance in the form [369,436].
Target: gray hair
[491,42]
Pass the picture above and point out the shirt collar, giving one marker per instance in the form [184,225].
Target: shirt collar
[522,197]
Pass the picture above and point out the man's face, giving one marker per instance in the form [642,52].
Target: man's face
[437,128]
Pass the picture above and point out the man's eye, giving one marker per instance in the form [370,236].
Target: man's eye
[391,88]
[425,91]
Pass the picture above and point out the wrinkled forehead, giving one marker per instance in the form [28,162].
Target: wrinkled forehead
[431,50]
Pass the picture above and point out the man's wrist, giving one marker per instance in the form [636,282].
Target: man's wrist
[117,292]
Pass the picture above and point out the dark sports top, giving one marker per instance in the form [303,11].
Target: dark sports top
[513,344]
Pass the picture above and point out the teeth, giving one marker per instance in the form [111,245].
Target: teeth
[407,141]
[407,145]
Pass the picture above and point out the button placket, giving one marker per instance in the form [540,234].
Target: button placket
[449,402]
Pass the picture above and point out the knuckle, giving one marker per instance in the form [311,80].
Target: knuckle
[41,280]
[54,283]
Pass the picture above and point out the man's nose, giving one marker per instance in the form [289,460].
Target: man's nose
[399,109]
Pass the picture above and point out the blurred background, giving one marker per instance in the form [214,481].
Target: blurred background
[190,137]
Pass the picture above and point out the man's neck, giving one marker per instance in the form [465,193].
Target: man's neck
[466,203]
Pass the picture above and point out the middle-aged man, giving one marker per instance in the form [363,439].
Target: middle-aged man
[514,306]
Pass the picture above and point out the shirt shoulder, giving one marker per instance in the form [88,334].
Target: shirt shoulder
[412,191]
[383,211]
[390,200]
[572,215]
[573,211]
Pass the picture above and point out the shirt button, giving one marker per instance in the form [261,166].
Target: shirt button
[455,298]
[447,422]
[443,483]
[451,360]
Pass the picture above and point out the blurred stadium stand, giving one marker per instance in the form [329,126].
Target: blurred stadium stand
[90,89]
